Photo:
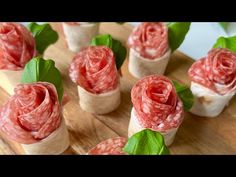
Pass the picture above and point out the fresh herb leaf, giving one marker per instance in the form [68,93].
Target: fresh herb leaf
[146,142]
[185,95]
[224,25]
[226,42]
[105,39]
[116,46]
[38,69]
[44,35]
[176,33]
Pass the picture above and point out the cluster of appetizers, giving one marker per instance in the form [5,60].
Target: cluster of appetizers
[33,114]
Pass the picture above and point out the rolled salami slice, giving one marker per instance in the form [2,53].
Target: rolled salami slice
[94,71]
[32,117]
[79,34]
[156,106]
[112,146]
[17,47]
[149,49]
[213,82]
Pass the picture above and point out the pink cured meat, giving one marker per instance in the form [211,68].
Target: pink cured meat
[149,39]
[218,68]
[156,103]
[94,69]
[17,46]
[31,114]
[112,146]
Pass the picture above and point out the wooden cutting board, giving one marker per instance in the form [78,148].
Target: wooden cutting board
[196,135]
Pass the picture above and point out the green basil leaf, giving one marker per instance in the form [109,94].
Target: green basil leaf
[224,25]
[38,69]
[185,95]
[146,142]
[44,35]
[176,33]
[105,39]
[226,42]
[116,46]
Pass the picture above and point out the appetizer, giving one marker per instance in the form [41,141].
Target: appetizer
[79,34]
[33,115]
[145,142]
[95,72]
[151,44]
[18,45]
[213,82]
[156,106]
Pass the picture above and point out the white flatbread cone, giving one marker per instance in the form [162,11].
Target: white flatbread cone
[9,80]
[135,127]
[56,143]
[208,103]
[140,67]
[78,36]
[99,103]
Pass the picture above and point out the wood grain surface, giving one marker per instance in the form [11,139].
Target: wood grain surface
[196,135]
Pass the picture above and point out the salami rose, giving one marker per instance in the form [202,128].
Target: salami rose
[94,69]
[17,46]
[156,103]
[216,71]
[112,146]
[150,40]
[31,114]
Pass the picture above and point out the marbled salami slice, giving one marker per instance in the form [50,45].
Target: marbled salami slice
[216,71]
[94,69]
[156,103]
[17,46]
[31,114]
[112,146]
[149,39]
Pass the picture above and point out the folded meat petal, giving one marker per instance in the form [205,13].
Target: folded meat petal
[17,46]
[149,39]
[156,103]
[32,113]
[112,146]
[216,71]
[94,69]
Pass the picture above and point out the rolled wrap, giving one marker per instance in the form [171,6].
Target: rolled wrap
[149,49]
[140,67]
[56,143]
[17,47]
[32,117]
[156,106]
[99,103]
[134,127]
[94,71]
[213,82]
[79,34]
